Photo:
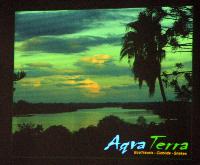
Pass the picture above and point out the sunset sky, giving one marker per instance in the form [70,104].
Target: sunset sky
[73,56]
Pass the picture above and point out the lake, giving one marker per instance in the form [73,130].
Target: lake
[85,117]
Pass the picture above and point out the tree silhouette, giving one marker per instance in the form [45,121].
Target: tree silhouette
[183,91]
[146,39]
[18,76]
[145,42]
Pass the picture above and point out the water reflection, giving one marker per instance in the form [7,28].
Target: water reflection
[85,117]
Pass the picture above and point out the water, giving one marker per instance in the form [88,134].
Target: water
[85,117]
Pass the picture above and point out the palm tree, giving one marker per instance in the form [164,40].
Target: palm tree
[144,43]
[146,39]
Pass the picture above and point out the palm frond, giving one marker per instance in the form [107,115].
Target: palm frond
[19,75]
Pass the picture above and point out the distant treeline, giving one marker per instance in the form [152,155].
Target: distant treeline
[165,110]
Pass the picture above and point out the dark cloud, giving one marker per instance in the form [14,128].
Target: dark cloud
[107,69]
[51,71]
[30,25]
[39,69]
[52,23]
[69,45]
[39,65]
[37,72]
[75,79]
[65,85]
[126,87]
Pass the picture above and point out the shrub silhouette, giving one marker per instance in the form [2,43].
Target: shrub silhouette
[32,140]
[56,140]
[25,141]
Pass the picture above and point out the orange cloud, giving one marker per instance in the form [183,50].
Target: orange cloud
[30,82]
[92,86]
[97,59]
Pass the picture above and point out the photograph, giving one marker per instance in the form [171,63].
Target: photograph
[104,83]
[92,82]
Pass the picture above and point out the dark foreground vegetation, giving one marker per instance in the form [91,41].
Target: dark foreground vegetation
[32,140]
[32,145]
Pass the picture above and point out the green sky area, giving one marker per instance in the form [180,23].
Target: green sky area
[73,56]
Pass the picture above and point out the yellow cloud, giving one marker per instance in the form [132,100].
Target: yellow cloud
[30,82]
[37,83]
[90,85]
[71,82]
[70,71]
[97,59]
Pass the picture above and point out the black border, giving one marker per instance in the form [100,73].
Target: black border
[7,10]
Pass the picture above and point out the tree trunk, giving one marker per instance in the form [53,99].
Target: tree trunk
[162,89]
